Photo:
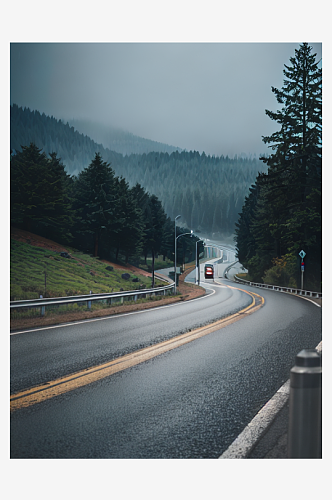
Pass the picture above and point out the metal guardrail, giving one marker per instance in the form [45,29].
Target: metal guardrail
[229,267]
[294,291]
[43,302]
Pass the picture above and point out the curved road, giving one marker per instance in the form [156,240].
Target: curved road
[188,402]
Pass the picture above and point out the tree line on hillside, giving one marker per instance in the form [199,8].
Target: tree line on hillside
[96,211]
[282,213]
[49,134]
[119,140]
[207,191]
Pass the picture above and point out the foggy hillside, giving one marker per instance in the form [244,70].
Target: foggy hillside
[119,140]
[207,191]
[51,135]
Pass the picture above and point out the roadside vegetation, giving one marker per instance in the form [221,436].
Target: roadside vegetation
[37,271]
[282,214]
[159,263]
[78,275]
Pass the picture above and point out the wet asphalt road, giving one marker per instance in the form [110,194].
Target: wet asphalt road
[187,403]
[45,354]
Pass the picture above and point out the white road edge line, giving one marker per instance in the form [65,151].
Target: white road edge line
[245,442]
[306,298]
[104,318]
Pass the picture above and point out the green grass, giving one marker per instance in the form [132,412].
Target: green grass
[58,310]
[64,277]
[159,263]
[244,276]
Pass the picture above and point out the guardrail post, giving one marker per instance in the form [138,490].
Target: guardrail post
[305,406]
[89,302]
[42,309]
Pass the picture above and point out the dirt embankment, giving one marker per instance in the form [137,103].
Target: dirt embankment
[187,291]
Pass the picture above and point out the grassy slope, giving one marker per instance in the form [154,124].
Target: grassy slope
[32,254]
[75,276]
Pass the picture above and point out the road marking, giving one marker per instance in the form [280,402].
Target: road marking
[63,385]
[309,300]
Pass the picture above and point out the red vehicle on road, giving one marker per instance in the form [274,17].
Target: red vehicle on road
[208,271]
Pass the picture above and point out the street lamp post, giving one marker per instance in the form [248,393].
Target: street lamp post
[197,262]
[176,238]
[176,218]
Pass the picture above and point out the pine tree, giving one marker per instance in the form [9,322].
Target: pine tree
[155,220]
[297,161]
[95,202]
[300,135]
[62,187]
[281,220]
[28,182]
[39,194]
[129,222]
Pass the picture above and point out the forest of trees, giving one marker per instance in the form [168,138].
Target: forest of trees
[207,191]
[65,185]
[49,134]
[283,211]
[95,211]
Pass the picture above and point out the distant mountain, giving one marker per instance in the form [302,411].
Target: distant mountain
[51,135]
[119,140]
[208,192]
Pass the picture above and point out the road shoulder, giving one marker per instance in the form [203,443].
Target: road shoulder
[187,291]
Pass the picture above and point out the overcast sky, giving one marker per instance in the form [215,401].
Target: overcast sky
[198,96]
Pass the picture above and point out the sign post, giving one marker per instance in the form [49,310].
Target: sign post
[302,254]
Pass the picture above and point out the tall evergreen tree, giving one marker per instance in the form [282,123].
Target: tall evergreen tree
[289,201]
[300,135]
[297,161]
[39,194]
[130,222]
[154,228]
[96,203]
[63,186]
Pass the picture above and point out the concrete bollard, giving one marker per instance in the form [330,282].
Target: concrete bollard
[305,406]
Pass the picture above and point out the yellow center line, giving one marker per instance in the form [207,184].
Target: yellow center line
[80,379]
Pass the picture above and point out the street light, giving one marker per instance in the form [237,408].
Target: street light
[176,238]
[197,259]
[197,262]
[176,218]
